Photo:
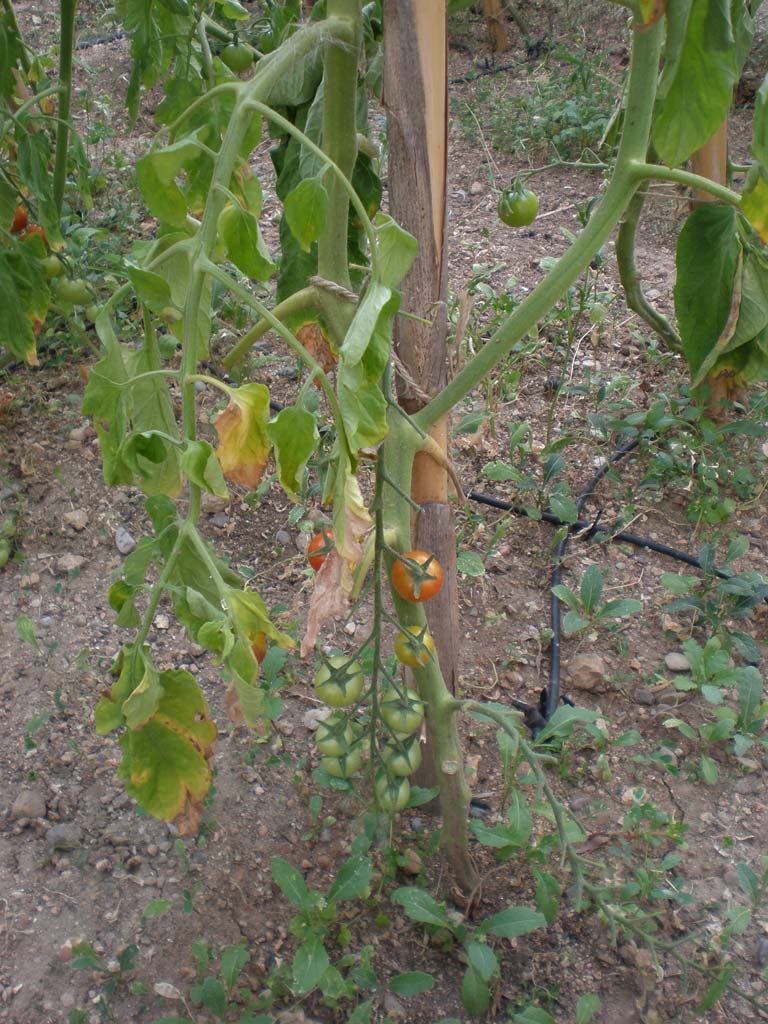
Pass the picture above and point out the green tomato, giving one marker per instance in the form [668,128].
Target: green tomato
[237,56]
[344,766]
[74,291]
[53,267]
[401,715]
[517,207]
[402,759]
[392,795]
[334,736]
[339,681]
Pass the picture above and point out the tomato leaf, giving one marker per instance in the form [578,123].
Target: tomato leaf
[411,983]
[294,434]
[708,252]
[306,211]
[242,428]
[420,906]
[239,230]
[695,90]
[201,466]
[513,921]
[475,994]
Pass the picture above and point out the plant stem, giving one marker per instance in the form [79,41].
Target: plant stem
[630,279]
[66,46]
[306,298]
[641,93]
[14,26]
[643,171]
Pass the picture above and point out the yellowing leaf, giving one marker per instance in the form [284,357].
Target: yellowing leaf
[651,11]
[754,206]
[242,428]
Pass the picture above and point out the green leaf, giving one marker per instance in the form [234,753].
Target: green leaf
[361,1013]
[513,921]
[749,883]
[306,211]
[202,467]
[233,960]
[573,622]
[708,770]
[547,894]
[760,125]
[291,883]
[483,959]
[353,879]
[563,721]
[468,563]
[591,588]
[563,507]
[566,595]
[620,608]
[586,1007]
[25,630]
[214,998]
[309,965]
[708,252]
[294,435]
[151,289]
[238,228]
[716,989]
[678,584]
[411,983]
[396,250]
[155,174]
[475,993]
[420,906]
[739,919]
[695,89]
[156,908]
[533,1015]
[750,696]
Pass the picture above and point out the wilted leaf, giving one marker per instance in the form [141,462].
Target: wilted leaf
[242,428]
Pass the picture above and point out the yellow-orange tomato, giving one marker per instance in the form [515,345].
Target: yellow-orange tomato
[318,548]
[414,647]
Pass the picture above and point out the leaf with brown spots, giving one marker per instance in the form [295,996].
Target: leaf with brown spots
[242,428]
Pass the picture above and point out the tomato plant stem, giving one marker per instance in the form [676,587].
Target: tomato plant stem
[641,92]
[66,46]
[642,171]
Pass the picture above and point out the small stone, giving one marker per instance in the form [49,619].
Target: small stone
[152,850]
[68,1000]
[588,672]
[748,784]
[411,863]
[323,861]
[64,836]
[67,758]
[676,662]
[644,695]
[124,541]
[30,803]
[32,580]
[762,951]
[77,519]
[283,538]
[477,188]
[162,621]
[69,563]
[393,1007]
[312,718]
[102,866]
[211,504]
[81,434]
[350,628]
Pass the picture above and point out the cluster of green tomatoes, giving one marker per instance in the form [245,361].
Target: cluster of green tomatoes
[341,739]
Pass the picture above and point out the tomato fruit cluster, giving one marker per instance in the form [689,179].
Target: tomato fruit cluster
[517,206]
[417,576]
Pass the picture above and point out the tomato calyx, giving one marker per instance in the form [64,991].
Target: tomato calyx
[417,576]
[334,735]
[402,713]
[319,547]
[392,794]
[517,206]
[402,757]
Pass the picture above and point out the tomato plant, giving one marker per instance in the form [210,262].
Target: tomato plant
[319,547]
[517,206]
[417,576]
[339,681]
[343,766]
[35,229]
[415,646]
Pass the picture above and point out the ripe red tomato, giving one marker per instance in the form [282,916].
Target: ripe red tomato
[35,229]
[319,546]
[19,220]
[414,584]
